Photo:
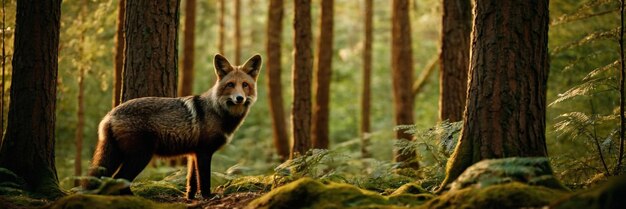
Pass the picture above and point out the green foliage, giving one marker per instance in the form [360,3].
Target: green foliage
[584,85]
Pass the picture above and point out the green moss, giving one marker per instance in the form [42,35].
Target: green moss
[20,201]
[308,193]
[533,171]
[509,195]
[156,189]
[109,202]
[608,195]
[248,184]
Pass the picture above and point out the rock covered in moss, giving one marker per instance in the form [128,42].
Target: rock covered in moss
[248,184]
[533,171]
[308,193]
[80,201]
[509,195]
[611,194]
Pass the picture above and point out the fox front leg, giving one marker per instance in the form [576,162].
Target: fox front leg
[204,174]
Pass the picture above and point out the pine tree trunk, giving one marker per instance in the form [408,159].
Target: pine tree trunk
[31,119]
[273,48]
[505,113]
[367,78]
[302,73]
[402,67]
[222,27]
[185,83]
[238,32]
[454,58]
[323,70]
[80,113]
[119,53]
[151,52]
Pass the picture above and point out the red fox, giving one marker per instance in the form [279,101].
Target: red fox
[196,126]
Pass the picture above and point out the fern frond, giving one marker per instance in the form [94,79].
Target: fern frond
[600,35]
[599,70]
[580,90]
[583,12]
[584,59]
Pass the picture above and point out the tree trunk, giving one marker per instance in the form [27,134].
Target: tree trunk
[151,52]
[505,113]
[238,32]
[454,58]
[367,78]
[185,83]
[30,131]
[323,70]
[222,27]
[274,34]
[402,67]
[302,73]
[80,113]
[119,53]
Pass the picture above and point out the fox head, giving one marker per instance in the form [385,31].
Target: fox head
[236,85]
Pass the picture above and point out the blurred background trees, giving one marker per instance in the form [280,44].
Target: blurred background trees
[582,116]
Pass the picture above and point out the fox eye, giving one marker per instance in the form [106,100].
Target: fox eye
[230,85]
[244,84]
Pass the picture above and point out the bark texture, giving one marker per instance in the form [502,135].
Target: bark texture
[185,83]
[273,48]
[222,27]
[505,113]
[367,78]
[402,71]
[119,53]
[323,72]
[454,58]
[238,32]
[151,53]
[302,73]
[30,130]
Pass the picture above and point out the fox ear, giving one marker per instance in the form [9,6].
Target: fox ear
[253,66]
[222,66]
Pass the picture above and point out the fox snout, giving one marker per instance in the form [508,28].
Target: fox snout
[238,99]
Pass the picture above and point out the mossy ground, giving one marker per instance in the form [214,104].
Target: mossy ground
[78,201]
[308,193]
[509,195]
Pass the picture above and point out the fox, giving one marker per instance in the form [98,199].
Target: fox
[196,126]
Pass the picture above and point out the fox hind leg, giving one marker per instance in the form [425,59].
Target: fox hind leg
[137,156]
[192,177]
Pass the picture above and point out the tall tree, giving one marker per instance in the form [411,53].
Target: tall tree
[80,113]
[185,82]
[301,82]
[367,78]
[456,26]
[222,27]
[237,31]
[323,72]
[119,53]
[402,67]
[151,52]
[31,120]
[273,46]
[505,112]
